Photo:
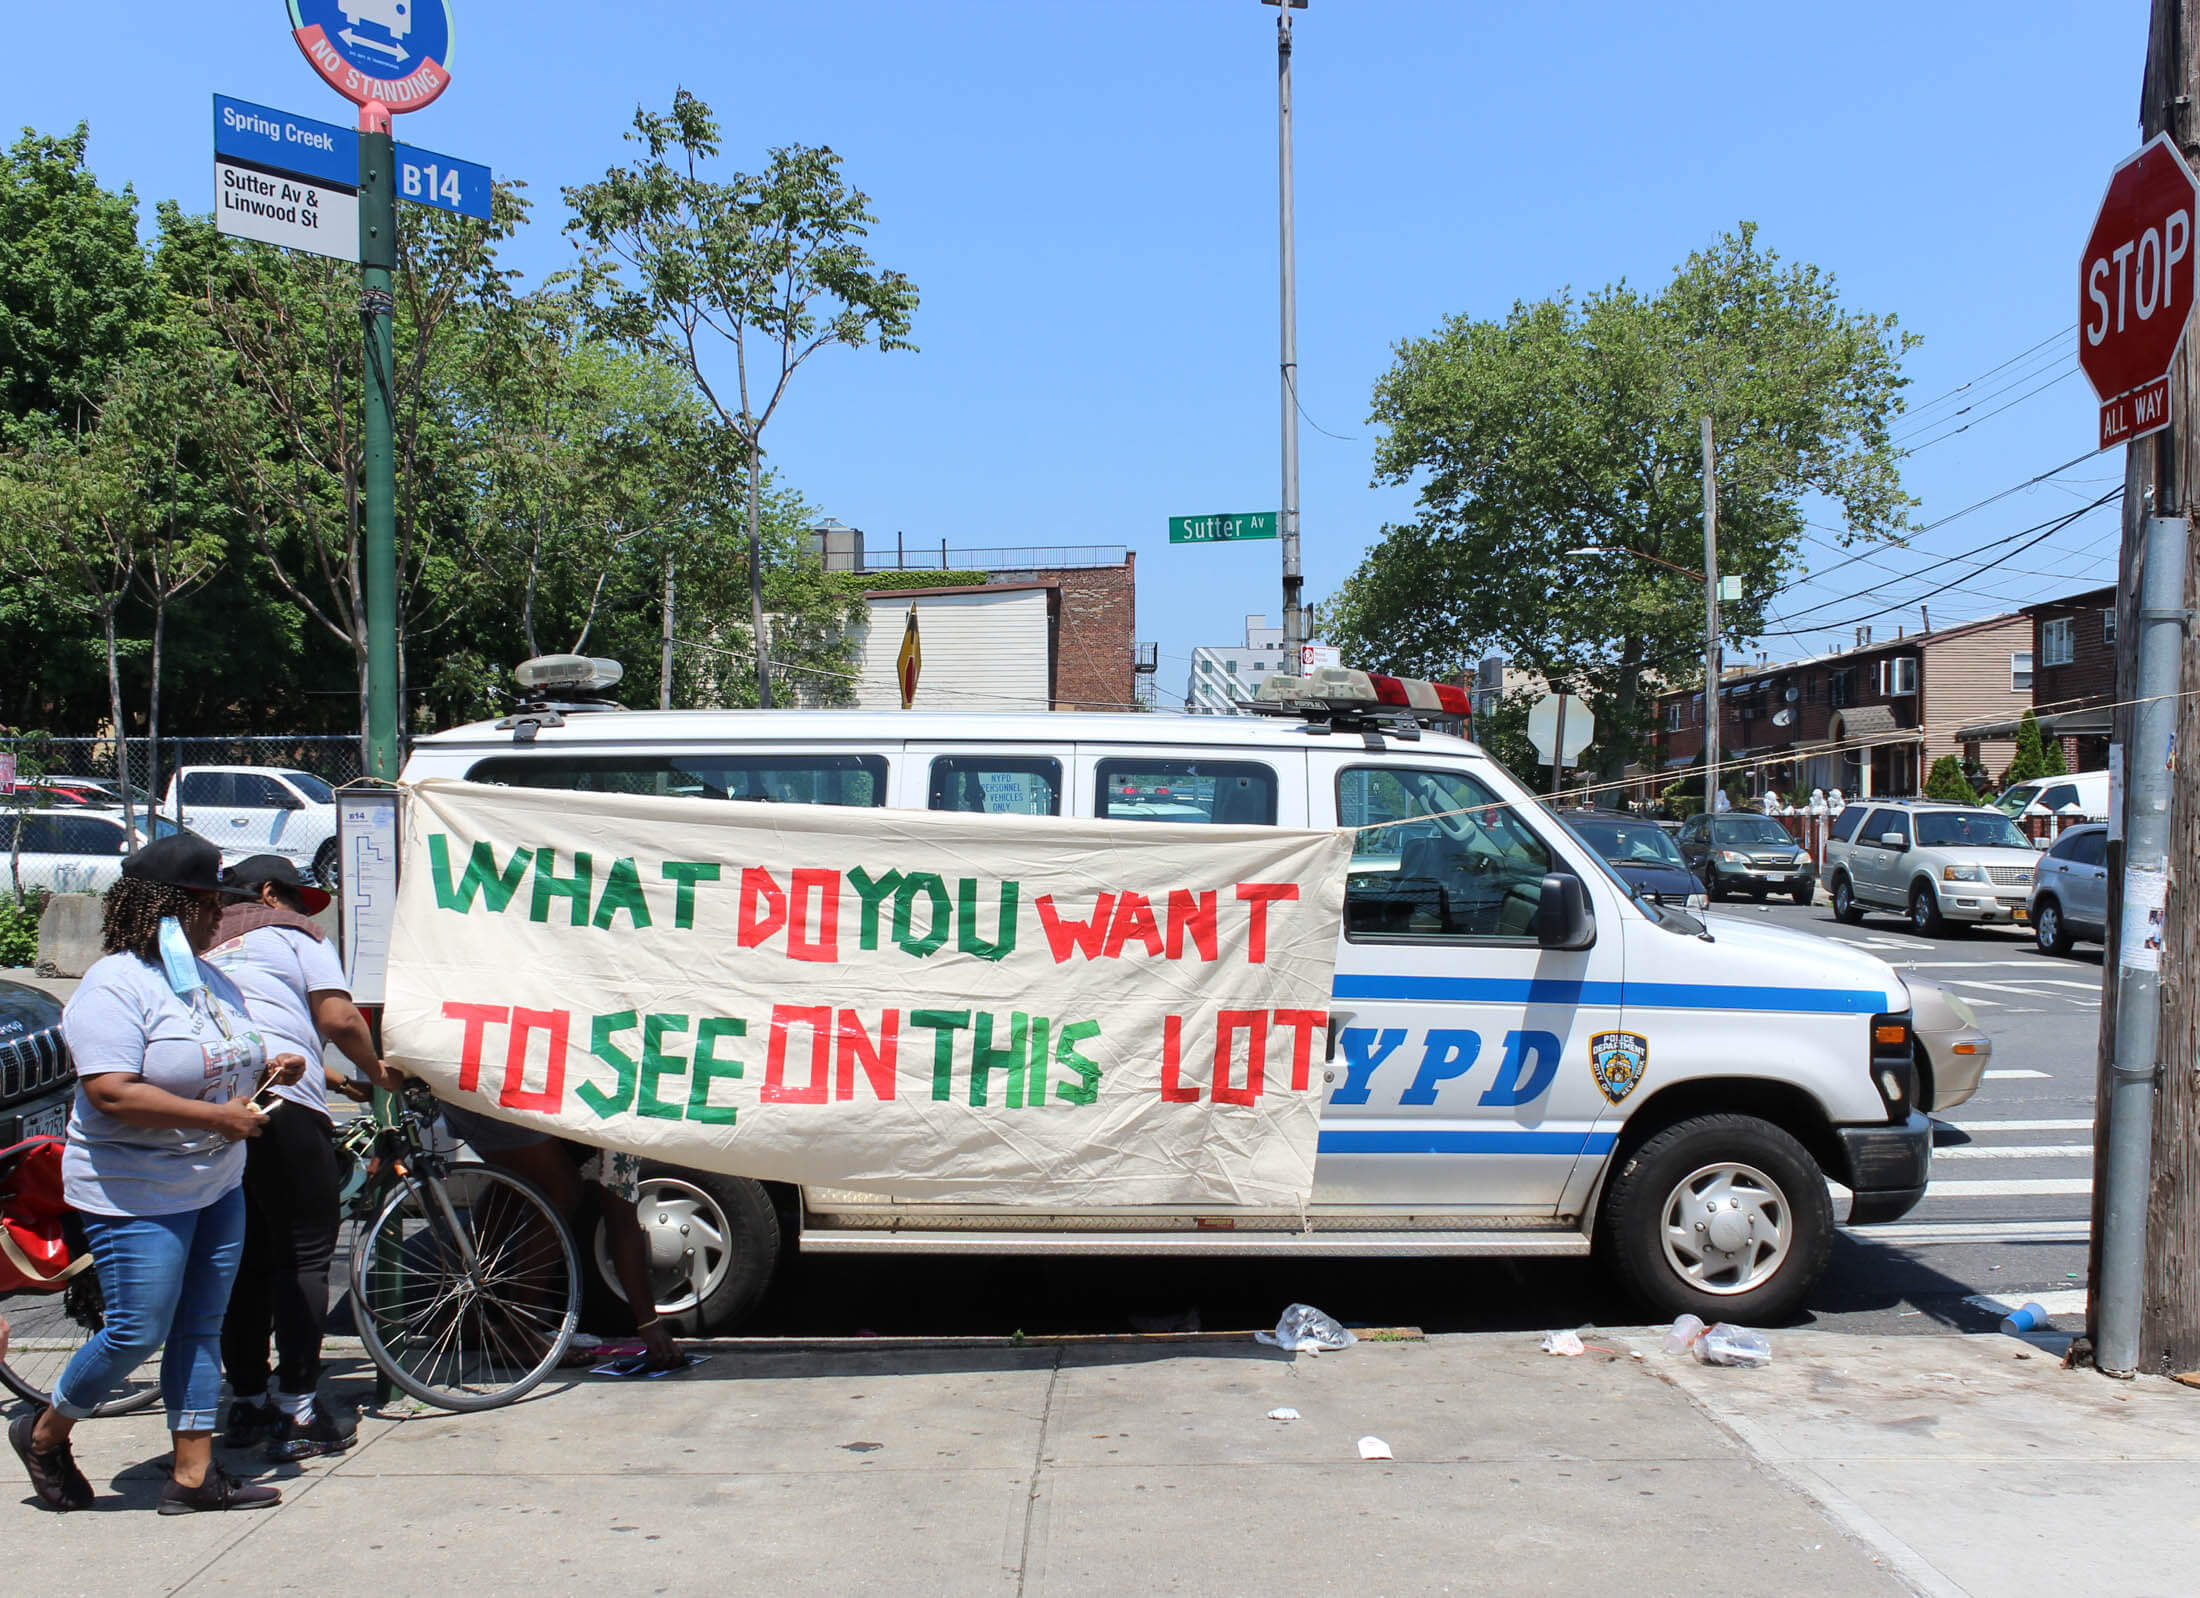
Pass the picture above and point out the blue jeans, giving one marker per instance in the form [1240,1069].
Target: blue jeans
[166,1281]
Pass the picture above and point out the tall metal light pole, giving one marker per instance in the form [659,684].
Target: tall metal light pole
[1710,626]
[1294,618]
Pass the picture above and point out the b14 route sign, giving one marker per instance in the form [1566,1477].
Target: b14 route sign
[2136,285]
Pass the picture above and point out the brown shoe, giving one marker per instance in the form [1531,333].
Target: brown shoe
[54,1477]
[220,1490]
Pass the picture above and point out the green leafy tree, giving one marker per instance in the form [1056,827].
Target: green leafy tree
[767,266]
[2052,763]
[2030,763]
[1946,782]
[1574,425]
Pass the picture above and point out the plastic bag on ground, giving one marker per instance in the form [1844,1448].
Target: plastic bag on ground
[1726,1344]
[1566,1343]
[1305,1327]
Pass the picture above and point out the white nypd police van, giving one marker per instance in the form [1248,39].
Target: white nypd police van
[1524,1058]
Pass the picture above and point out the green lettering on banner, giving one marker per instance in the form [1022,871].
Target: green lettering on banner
[549,885]
[944,1024]
[606,1105]
[872,892]
[622,890]
[708,1068]
[985,1059]
[905,903]
[656,1063]
[966,921]
[1034,1080]
[686,874]
[1087,1089]
[482,876]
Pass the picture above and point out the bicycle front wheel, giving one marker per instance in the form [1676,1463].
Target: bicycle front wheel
[468,1287]
[46,1331]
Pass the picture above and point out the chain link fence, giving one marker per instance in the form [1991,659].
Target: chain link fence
[333,757]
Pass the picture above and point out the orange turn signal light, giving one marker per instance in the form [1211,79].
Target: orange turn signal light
[1966,1048]
[1891,1034]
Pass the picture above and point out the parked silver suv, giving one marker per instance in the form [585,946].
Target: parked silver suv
[1935,862]
[2070,890]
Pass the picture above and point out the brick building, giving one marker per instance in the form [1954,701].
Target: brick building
[2073,679]
[1869,720]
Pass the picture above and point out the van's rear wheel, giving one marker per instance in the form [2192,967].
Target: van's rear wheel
[1721,1216]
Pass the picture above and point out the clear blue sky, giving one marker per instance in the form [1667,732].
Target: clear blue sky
[1085,195]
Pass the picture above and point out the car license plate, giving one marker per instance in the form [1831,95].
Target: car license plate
[52,1121]
[2020,914]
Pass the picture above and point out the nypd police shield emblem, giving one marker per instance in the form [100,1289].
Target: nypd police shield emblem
[1619,1060]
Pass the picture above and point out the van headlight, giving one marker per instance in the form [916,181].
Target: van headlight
[1963,873]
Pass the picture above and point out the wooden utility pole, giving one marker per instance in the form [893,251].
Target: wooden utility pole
[2160,472]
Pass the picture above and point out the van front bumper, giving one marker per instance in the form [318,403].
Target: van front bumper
[1887,1168]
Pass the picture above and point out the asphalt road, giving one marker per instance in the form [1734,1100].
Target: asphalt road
[2005,1216]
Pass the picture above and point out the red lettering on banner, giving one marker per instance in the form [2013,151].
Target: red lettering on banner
[477,1017]
[1303,1024]
[1063,934]
[1173,1090]
[763,906]
[1260,895]
[1133,919]
[1254,1024]
[1194,914]
[819,1019]
[552,1095]
[853,1047]
[818,887]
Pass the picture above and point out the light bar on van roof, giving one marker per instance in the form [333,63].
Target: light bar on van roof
[585,673]
[1340,687]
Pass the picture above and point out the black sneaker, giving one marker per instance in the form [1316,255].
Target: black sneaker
[324,1434]
[54,1476]
[251,1420]
[220,1490]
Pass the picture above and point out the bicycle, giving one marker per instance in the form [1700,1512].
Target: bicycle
[465,1285]
[48,1329]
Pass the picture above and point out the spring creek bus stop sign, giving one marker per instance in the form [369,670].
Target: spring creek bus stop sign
[394,51]
[2136,284]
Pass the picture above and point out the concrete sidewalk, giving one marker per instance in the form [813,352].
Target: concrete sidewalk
[1851,1466]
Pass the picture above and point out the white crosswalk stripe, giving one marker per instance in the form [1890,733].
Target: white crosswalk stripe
[2022,1151]
[1990,1128]
[2012,1074]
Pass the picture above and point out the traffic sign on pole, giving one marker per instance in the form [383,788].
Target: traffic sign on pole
[1222,529]
[285,179]
[397,52]
[2136,285]
[443,181]
[1544,719]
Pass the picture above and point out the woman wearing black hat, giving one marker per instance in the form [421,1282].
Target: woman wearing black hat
[166,1060]
[294,986]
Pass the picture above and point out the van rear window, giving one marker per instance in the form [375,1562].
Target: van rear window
[1223,793]
[998,785]
[765,779]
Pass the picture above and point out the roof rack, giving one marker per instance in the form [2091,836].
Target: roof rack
[1339,699]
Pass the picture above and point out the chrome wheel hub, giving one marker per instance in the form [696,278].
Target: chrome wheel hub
[1727,1228]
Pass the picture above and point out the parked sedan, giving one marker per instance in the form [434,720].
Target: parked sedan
[2069,897]
[1953,1050]
[1642,853]
[1747,854]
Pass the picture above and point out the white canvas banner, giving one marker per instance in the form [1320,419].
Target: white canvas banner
[991,1009]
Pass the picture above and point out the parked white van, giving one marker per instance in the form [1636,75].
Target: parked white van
[2079,793]
[1523,1057]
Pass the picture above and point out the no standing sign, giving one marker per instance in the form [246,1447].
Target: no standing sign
[2136,284]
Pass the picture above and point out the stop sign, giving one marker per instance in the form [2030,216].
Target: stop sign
[2136,285]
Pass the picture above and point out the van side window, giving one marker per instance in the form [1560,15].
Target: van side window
[1442,857]
[1223,793]
[1845,824]
[817,779]
[998,785]
[208,788]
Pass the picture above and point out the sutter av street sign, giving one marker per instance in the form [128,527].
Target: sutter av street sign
[1222,529]
[2136,285]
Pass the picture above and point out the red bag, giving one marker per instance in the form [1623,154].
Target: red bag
[34,1250]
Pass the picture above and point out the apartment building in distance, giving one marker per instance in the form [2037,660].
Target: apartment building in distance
[1224,674]
[1867,720]
[2073,679]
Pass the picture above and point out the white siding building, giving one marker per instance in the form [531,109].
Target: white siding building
[985,648]
[1223,674]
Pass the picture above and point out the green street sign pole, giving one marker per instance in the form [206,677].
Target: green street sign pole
[377,264]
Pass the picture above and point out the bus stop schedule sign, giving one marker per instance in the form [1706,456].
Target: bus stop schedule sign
[394,51]
[285,179]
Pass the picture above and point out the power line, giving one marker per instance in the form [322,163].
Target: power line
[1991,370]
[2061,377]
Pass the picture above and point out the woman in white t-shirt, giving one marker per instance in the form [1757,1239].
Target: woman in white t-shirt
[167,1061]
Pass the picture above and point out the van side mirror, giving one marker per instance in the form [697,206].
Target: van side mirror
[1562,916]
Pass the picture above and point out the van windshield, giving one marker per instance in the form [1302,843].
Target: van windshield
[2015,801]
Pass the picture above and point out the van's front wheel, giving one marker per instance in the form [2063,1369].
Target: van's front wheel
[1721,1216]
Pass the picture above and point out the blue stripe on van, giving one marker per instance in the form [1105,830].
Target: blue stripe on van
[1435,1141]
[1643,995]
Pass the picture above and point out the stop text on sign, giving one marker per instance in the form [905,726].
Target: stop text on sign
[2136,286]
